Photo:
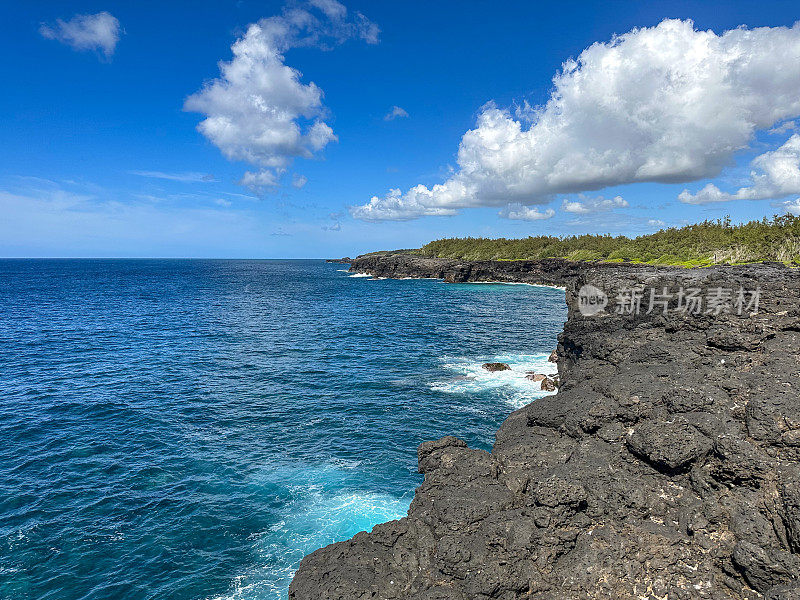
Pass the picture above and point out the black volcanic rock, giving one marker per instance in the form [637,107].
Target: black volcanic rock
[666,466]
[669,445]
[548,384]
[345,260]
[492,367]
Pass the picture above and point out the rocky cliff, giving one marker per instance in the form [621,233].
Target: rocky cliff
[667,465]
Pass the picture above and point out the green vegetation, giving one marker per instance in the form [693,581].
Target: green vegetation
[390,252]
[706,243]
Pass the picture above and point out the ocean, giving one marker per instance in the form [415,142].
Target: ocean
[190,429]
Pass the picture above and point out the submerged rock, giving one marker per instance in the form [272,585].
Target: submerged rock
[666,466]
[496,366]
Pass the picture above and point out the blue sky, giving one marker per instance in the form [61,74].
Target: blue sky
[102,155]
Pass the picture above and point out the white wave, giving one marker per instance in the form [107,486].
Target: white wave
[516,388]
[359,275]
[319,509]
[344,463]
[539,285]
[342,270]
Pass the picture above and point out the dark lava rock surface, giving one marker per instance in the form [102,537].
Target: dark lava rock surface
[496,366]
[667,465]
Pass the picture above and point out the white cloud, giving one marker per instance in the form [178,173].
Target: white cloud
[710,193]
[86,32]
[518,212]
[656,223]
[665,104]
[298,181]
[244,196]
[260,180]
[332,9]
[395,113]
[783,128]
[335,217]
[775,174]
[792,207]
[186,177]
[397,207]
[258,110]
[585,205]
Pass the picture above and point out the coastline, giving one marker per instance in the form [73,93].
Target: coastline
[541,285]
[668,464]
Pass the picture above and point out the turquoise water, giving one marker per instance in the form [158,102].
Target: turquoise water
[191,429]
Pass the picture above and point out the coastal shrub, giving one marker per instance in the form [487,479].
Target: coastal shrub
[705,243]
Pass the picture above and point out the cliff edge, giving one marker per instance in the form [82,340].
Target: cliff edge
[667,465]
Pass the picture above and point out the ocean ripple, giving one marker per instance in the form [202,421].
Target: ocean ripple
[189,429]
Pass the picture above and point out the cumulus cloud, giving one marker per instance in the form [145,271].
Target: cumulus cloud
[258,110]
[519,212]
[710,193]
[395,113]
[792,207]
[656,223]
[395,206]
[260,180]
[585,205]
[775,174]
[660,104]
[86,32]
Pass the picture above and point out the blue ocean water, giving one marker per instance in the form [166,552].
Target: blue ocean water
[190,429]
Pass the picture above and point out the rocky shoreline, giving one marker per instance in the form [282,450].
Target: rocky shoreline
[666,466]
[344,260]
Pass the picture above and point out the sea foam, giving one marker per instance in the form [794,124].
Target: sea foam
[321,505]
[472,378]
[539,285]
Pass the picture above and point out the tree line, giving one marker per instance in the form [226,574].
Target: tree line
[701,244]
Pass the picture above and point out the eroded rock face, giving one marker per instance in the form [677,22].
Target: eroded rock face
[666,466]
